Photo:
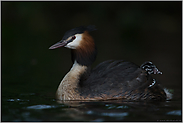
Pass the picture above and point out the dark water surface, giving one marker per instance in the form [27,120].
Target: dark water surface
[36,107]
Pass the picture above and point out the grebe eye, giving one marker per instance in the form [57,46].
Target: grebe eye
[73,37]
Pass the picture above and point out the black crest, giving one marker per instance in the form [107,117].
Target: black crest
[78,30]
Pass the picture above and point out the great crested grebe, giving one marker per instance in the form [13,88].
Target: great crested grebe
[110,79]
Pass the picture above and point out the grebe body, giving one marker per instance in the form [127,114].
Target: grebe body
[112,79]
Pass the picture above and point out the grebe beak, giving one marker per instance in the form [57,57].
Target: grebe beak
[61,43]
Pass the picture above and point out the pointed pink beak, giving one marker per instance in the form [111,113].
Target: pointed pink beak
[61,43]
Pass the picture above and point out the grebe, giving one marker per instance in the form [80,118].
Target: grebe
[110,79]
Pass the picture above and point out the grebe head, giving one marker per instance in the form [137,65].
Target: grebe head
[73,38]
[82,45]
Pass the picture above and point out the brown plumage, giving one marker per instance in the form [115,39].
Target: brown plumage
[85,53]
[110,79]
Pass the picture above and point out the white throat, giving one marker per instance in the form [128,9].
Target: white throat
[77,69]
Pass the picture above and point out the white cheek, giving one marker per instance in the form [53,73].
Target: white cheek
[75,43]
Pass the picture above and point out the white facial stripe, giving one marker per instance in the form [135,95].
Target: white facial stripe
[69,38]
[75,43]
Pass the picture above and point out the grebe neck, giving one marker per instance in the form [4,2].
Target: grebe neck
[85,53]
[83,56]
[68,88]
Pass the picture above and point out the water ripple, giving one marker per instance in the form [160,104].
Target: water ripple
[175,112]
[115,114]
[41,107]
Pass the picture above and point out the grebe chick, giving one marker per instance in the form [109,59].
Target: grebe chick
[110,79]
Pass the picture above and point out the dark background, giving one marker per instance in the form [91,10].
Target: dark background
[133,31]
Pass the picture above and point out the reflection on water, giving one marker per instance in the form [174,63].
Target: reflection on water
[41,107]
[34,107]
[175,112]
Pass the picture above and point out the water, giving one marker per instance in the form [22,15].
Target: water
[37,107]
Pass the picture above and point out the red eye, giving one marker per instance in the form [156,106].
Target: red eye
[73,37]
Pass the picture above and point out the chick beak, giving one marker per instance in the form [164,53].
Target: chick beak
[61,43]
